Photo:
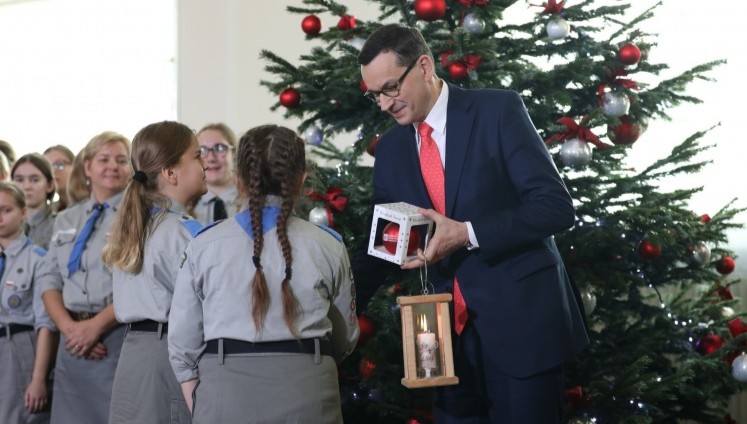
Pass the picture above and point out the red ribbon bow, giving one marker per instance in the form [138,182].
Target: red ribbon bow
[551,6]
[575,130]
[613,79]
[737,327]
[471,61]
[470,3]
[333,198]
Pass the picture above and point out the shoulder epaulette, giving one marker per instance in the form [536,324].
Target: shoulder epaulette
[205,228]
[334,233]
[192,225]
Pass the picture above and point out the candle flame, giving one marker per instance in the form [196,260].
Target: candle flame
[423,321]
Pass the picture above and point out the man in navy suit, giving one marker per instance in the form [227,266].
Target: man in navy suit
[502,201]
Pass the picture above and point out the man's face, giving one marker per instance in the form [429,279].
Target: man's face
[383,73]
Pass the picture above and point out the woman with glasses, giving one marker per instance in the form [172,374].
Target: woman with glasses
[61,159]
[217,143]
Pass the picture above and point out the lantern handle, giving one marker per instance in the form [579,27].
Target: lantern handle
[424,283]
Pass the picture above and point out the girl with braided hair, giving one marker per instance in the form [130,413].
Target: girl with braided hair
[148,236]
[264,302]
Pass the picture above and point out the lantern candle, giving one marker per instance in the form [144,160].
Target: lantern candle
[427,346]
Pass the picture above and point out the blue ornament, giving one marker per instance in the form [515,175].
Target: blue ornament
[313,135]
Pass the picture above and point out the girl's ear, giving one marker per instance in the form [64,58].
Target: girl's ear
[169,176]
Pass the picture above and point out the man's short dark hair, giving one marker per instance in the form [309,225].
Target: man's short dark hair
[406,43]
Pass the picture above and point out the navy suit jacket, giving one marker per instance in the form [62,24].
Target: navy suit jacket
[500,177]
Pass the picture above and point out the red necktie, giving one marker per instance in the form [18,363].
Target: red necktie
[433,176]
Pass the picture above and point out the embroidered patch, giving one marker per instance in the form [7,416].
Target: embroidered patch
[14,301]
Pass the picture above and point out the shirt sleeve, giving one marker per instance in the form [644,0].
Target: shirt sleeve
[342,308]
[186,335]
[41,318]
[49,271]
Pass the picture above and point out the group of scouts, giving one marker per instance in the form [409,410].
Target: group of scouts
[166,280]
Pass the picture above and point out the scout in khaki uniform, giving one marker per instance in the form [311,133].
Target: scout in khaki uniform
[150,233]
[264,302]
[217,144]
[27,335]
[77,288]
[33,173]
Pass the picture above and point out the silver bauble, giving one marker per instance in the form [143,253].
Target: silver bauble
[575,153]
[473,24]
[739,368]
[589,300]
[357,42]
[558,28]
[313,135]
[615,105]
[727,312]
[318,216]
[701,254]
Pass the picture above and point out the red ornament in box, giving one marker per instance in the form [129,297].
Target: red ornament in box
[430,10]
[627,132]
[708,344]
[366,330]
[391,234]
[458,71]
[290,98]
[649,250]
[629,54]
[366,367]
[725,265]
[311,25]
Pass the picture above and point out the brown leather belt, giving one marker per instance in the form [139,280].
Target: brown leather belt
[81,316]
[11,329]
[232,346]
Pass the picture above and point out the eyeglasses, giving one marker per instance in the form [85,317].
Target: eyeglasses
[60,166]
[219,149]
[392,90]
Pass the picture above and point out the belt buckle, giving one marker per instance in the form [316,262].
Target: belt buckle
[82,316]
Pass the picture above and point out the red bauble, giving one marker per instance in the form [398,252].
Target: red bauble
[648,250]
[346,22]
[458,71]
[371,149]
[705,218]
[364,87]
[366,330]
[366,368]
[430,10]
[627,132]
[390,235]
[629,54]
[311,25]
[725,265]
[708,344]
[290,98]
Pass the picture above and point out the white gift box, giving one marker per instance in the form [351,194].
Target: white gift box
[407,217]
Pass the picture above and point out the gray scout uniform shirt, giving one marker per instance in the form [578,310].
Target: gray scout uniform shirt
[212,297]
[39,226]
[203,210]
[147,295]
[90,288]
[19,289]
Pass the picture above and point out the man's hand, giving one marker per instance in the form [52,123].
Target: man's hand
[449,237]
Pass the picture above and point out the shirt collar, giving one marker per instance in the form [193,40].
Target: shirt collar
[17,245]
[436,118]
[113,202]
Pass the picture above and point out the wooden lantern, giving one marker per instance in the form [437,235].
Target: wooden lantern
[426,341]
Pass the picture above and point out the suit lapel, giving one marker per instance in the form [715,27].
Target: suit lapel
[459,119]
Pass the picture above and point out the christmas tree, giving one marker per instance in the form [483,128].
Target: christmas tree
[653,275]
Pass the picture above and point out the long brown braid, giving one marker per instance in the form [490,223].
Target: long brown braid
[271,161]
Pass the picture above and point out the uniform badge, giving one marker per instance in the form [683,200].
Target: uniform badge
[14,301]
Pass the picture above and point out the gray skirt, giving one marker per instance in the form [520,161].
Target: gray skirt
[83,387]
[145,388]
[17,364]
[267,389]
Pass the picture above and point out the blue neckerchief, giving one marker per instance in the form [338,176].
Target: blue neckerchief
[193,226]
[269,220]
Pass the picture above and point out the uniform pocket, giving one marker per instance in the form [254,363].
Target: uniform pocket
[179,412]
[17,296]
[530,263]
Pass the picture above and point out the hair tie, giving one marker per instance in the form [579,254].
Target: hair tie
[255,259]
[140,177]
[288,273]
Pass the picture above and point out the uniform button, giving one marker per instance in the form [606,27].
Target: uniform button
[84,292]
